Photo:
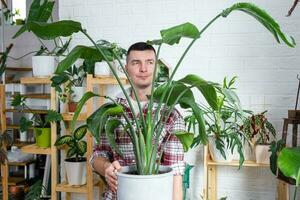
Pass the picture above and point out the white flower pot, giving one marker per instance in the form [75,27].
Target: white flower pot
[101,69]
[76,171]
[146,187]
[262,154]
[23,136]
[43,66]
[248,151]
[215,153]
[78,93]
[118,69]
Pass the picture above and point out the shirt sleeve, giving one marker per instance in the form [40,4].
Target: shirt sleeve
[173,155]
[102,149]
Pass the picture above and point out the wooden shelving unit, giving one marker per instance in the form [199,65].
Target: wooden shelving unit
[210,173]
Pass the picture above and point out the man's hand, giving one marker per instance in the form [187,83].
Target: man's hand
[110,174]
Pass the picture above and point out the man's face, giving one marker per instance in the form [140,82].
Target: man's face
[140,67]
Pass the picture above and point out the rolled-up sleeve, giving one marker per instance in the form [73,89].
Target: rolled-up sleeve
[102,149]
[173,155]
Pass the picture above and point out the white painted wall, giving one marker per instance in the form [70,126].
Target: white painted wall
[237,45]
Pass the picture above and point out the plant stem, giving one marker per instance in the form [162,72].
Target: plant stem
[295,192]
[22,56]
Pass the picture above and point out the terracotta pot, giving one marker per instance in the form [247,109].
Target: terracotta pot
[72,106]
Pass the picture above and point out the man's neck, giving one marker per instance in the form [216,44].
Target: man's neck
[141,93]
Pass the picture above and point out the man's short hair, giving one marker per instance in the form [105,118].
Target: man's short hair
[140,46]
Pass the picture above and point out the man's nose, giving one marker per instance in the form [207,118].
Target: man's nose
[143,67]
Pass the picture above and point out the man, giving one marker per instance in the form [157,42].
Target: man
[140,65]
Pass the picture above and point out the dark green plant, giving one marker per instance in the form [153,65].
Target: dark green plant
[77,147]
[8,15]
[41,12]
[35,191]
[275,148]
[37,120]
[258,129]
[167,96]
[289,164]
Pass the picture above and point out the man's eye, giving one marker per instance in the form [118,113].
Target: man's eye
[151,62]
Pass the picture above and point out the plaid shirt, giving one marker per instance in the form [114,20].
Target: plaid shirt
[173,154]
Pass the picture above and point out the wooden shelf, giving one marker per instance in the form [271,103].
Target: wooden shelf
[65,187]
[35,80]
[13,126]
[106,80]
[69,116]
[34,149]
[21,163]
[247,163]
[12,82]
[35,96]
[14,180]
[27,111]
[22,144]
[19,69]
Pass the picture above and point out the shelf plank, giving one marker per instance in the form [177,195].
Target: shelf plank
[14,180]
[19,69]
[35,80]
[65,187]
[106,80]
[34,149]
[69,116]
[21,163]
[247,163]
[13,126]
[12,81]
[27,111]
[35,95]
[20,144]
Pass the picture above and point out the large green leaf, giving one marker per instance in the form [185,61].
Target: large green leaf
[80,104]
[186,139]
[38,12]
[96,122]
[65,139]
[80,132]
[110,127]
[264,18]
[80,51]
[81,147]
[174,34]
[289,163]
[206,88]
[25,124]
[198,113]
[49,31]
[53,116]
[72,151]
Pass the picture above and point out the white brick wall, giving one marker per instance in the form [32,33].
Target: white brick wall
[237,45]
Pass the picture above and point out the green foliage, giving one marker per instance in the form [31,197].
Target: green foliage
[275,148]
[77,147]
[35,191]
[25,124]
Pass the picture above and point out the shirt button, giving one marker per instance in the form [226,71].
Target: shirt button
[133,160]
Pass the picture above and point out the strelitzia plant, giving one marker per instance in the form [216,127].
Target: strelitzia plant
[167,96]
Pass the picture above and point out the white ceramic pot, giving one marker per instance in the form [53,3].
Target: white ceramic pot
[146,187]
[78,93]
[23,136]
[118,69]
[248,151]
[101,69]
[215,153]
[43,66]
[76,171]
[262,154]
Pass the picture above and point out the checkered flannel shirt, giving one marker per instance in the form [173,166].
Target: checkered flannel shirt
[173,154]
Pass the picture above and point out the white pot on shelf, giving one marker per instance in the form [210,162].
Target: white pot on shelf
[23,136]
[76,171]
[78,92]
[101,69]
[118,69]
[262,154]
[43,66]
[215,153]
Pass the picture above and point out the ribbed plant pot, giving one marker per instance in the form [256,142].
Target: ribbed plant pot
[78,92]
[262,154]
[43,66]
[215,153]
[76,171]
[146,187]
[42,137]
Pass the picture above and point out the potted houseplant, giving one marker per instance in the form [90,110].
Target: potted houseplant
[44,60]
[40,122]
[75,166]
[36,191]
[112,51]
[261,133]
[223,124]
[167,95]
[73,82]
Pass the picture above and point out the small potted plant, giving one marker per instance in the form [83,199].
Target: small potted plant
[75,163]
[44,60]
[261,133]
[39,122]
[70,85]
[112,51]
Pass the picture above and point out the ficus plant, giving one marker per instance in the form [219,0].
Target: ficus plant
[167,96]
